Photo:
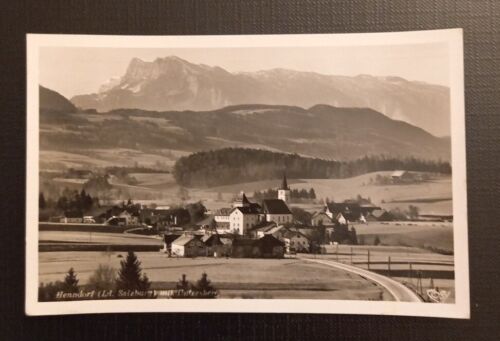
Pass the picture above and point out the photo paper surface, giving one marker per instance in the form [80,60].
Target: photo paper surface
[319,173]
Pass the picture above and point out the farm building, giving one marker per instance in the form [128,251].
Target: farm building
[264,228]
[401,176]
[295,241]
[265,247]
[188,246]
[165,217]
[130,218]
[350,210]
[214,245]
[168,239]
[72,217]
[379,215]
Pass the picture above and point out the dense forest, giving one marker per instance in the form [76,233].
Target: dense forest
[237,165]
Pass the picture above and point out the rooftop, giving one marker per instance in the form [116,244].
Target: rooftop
[275,206]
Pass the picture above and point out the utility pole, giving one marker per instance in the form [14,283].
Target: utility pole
[389,264]
[351,255]
[368,259]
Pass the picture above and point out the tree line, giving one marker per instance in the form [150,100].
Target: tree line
[129,278]
[295,193]
[236,165]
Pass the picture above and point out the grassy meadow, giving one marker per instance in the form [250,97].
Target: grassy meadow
[261,278]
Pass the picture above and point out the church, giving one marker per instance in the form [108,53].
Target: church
[245,215]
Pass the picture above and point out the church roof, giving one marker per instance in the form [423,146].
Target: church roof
[275,206]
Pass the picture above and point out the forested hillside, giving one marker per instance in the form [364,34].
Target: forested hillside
[236,165]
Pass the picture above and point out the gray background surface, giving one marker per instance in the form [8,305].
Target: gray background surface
[480,20]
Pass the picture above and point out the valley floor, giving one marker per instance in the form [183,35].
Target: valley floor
[235,278]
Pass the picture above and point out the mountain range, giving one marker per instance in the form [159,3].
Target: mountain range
[174,84]
[321,131]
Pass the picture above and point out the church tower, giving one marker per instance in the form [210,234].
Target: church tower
[284,191]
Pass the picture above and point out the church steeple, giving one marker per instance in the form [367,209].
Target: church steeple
[284,184]
[284,190]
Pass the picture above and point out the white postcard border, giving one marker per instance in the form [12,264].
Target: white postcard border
[461,307]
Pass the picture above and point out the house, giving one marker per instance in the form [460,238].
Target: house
[188,246]
[349,211]
[321,219]
[263,228]
[130,218]
[72,217]
[165,217]
[341,219]
[379,215]
[401,176]
[88,219]
[242,219]
[101,214]
[214,245]
[270,247]
[265,247]
[295,241]
[222,215]
[276,210]
[242,201]
[168,239]
[116,221]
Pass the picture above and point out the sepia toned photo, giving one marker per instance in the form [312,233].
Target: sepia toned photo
[296,173]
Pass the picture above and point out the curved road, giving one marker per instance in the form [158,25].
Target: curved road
[399,291]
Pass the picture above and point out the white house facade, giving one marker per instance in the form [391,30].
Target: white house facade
[242,219]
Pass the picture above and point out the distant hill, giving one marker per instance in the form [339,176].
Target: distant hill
[321,131]
[171,83]
[53,101]
[236,165]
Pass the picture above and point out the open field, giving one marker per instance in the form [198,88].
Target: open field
[95,241]
[106,157]
[235,278]
[407,265]
[388,196]
[431,197]
[98,237]
[436,236]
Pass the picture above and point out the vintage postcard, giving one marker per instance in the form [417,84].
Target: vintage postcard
[316,173]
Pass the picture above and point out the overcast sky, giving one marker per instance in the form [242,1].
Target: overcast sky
[76,70]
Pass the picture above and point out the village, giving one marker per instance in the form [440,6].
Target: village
[247,229]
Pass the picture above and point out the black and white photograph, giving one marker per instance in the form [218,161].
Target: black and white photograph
[320,173]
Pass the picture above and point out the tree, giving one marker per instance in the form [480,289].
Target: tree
[130,275]
[42,204]
[301,215]
[70,281]
[62,203]
[204,284]
[183,284]
[196,211]
[103,278]
[377,240]
[312,193]
[413,212]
